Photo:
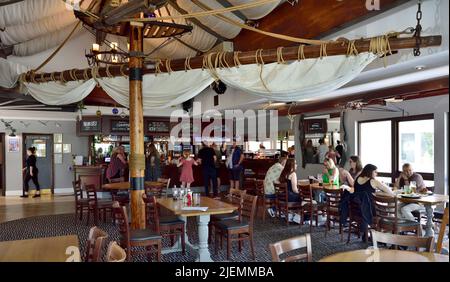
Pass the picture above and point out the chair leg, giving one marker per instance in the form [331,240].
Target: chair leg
[158,255]
[239,243]
[183,241]
[252,246]
[340,231]
[215,242]
[228,246]
[88,216]
[349,231]
[264,214]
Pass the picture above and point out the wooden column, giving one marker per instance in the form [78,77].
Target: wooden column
[137,157]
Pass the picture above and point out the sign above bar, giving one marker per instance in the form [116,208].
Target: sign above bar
[91,125]
[313,126]
[120,126]
[158,126]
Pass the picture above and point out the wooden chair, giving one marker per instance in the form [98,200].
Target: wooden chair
[386,208]
[402,240]
[355,222]
[238,230]
[263,203]
[441,235]
[165,190]
[309,205]
[292,244]
[136,237]
[249,185]
[282,202]
[95,243]
[333,208]
[97,206]
[235,197]
[115,253]
[121,196]
[169,226]
[81,204]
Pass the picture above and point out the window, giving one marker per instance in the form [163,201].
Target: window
[390,143]
[416,144]
[375,144]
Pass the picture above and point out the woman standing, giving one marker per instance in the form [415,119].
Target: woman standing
[152,163]
[117,164]
[31,173]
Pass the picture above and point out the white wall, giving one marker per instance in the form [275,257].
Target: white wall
[56,123]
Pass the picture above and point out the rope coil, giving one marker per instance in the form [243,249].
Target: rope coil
[187,64]
[158,67]
[236,61]
[258,57]
[168,67]
[62,80]
[108,73]
[122,70]
[323,50]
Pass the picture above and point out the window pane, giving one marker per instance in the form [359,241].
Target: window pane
[375,144]
[416,144]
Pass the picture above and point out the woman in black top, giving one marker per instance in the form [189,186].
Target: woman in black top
[31,173]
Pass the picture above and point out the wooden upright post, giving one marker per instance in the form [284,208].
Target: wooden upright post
[137,154]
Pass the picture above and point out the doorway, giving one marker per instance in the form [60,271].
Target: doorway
[2,165]
[44,156]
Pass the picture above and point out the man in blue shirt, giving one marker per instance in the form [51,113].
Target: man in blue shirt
[234,165]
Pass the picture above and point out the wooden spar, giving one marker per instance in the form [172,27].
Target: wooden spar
[137,154]
[269,56]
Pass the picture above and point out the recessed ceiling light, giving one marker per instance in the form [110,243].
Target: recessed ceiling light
[421,67]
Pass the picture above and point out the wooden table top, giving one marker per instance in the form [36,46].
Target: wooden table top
[328,186]
[126,185]
[51,249]
[430,200]
[214,207]
[385,255]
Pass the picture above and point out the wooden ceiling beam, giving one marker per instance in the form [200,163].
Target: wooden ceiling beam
[410,91]
[309,19]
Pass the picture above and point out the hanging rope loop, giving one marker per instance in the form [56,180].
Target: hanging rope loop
[280,59]
[301,52]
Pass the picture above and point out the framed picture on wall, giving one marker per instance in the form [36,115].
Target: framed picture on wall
[67,148]
[58,148]
[58,158]
[13,145]
[57,138]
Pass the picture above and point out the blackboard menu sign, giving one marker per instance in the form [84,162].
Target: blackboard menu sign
[120,126]
[158,126]
[315,126]
[90,125]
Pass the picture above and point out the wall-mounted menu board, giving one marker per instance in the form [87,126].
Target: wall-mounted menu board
[154,126]
[90,125]
[315,126]
[120,125]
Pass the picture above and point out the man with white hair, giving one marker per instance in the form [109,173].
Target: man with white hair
[406,177]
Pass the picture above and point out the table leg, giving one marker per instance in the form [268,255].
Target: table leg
[203,251]
[429,226]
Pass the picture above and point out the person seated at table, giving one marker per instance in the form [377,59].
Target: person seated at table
[367,182]
[406,177]
[347,177]
[289,176]
[117,164]
[272,176]
[330,175]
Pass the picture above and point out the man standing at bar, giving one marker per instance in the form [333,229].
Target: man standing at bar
[208,158]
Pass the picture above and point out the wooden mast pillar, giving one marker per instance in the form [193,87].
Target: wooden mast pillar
[137,150]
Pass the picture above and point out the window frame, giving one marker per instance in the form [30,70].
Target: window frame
[395,146]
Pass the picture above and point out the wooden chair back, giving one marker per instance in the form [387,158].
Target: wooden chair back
[121,219]
[249,184]
[117,180]
[441,235]
[386,208]
[305,192]
[402,240]
[165,181]
[248,210]
[292,244]
[260,188]
[281,193]
[333,201]
[91,194]
[151,212]
[77,190]
[115,253]
[95,243]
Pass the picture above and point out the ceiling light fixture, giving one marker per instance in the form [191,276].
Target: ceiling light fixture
[419,68]
[394,100]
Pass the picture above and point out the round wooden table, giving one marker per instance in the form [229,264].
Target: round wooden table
[385,255]
[126,185]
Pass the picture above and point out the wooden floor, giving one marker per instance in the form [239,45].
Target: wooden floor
[14,207]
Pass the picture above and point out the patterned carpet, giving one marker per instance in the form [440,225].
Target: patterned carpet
[265,233]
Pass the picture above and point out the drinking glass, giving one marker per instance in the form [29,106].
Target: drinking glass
[413,186]
[196,199]
[175,193]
